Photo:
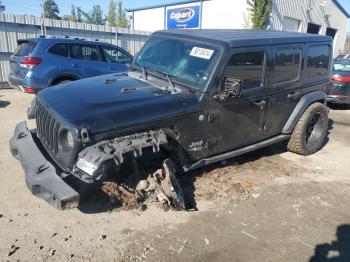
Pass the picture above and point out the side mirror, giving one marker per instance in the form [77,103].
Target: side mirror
[231,88]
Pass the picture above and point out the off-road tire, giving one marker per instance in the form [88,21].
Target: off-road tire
[316,118]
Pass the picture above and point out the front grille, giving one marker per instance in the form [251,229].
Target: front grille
[47,128]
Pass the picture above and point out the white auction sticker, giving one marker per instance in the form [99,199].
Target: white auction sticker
[201,52]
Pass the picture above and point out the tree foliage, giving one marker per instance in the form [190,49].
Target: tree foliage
[73,14]
[95,16]
[260,13]
[51,9]
[112,15]
[122,21]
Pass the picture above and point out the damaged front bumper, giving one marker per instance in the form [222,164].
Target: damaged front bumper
[40,175]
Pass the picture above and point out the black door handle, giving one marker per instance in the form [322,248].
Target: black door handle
[260,103]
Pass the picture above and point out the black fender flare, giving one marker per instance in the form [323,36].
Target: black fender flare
[300,108]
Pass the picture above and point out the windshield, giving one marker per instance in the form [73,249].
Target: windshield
[342,67]
[188,61]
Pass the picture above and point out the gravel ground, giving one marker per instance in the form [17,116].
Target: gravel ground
[270,205]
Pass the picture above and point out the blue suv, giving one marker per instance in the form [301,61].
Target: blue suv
[46,61]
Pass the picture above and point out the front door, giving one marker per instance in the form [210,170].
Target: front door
[239,120]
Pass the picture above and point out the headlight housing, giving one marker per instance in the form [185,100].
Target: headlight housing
[66,140]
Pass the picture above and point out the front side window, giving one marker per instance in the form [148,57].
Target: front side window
[84,52]
[247,67]
[287,64]
[114,55]
[59,49]
[191,62]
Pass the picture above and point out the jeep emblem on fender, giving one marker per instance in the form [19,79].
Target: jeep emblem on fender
[183,15]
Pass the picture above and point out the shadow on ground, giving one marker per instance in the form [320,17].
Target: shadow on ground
[4,103]
[338,106]
[336,251]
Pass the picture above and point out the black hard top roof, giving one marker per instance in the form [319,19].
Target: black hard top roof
[240,37]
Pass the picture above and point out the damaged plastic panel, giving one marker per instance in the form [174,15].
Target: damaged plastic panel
[94,160]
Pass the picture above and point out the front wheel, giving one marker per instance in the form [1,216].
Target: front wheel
[310,131]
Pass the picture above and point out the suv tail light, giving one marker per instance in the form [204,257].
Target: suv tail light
[341,79]
[30,62]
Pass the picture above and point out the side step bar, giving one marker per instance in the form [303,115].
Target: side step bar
[237,152]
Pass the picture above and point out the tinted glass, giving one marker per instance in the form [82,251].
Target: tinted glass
[186,60]
[59,49]
[114,55]
[318,61]
[287,64]
[24,49]
[247,66]
[85,52]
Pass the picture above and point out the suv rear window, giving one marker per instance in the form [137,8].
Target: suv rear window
[59,49]
[24,49]
[84,52]
[287,64]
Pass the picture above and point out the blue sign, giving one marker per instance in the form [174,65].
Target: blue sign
[183,17]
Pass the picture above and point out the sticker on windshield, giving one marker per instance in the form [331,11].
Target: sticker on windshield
[201,52]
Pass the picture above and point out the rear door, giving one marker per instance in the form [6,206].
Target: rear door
[285,89]
[117,60]
[24,49]
[86,60]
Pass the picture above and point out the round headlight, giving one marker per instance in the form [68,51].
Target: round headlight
[66,140]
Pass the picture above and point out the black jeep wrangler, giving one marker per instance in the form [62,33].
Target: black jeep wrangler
[201,96]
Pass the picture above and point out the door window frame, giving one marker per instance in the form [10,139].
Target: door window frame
[301,65]
[264,80]
[81,45]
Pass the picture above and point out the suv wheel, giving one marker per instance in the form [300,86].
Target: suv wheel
[310,131]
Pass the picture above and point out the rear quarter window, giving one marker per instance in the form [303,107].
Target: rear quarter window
[24,49]
[317,64]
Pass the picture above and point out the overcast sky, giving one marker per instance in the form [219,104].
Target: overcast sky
[32,7]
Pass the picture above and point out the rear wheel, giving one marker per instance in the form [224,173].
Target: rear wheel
[310,131]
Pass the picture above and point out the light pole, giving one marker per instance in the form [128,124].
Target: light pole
[42,18]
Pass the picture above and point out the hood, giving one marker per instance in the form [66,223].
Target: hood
[112,102]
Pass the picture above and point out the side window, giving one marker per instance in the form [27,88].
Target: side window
[317,61]
[84,52]
[287,64]
[114,55]
[247,67]
[59,49]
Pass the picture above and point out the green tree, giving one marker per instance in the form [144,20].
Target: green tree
[73,14]
[51,9]
[112,15]
[122,21]
[260,13]
[79,15]
[96,15]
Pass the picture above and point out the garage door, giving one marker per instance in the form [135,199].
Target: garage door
[290,24]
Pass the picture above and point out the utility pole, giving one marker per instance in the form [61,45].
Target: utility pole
[2,8]
[43,29]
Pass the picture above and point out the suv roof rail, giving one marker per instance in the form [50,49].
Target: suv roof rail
[61,37]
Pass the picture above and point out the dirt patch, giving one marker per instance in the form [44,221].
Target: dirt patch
[236,178]
[120,197]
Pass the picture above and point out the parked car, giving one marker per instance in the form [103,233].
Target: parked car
[199,96]
[344,56]
[42,62]
[338,91]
